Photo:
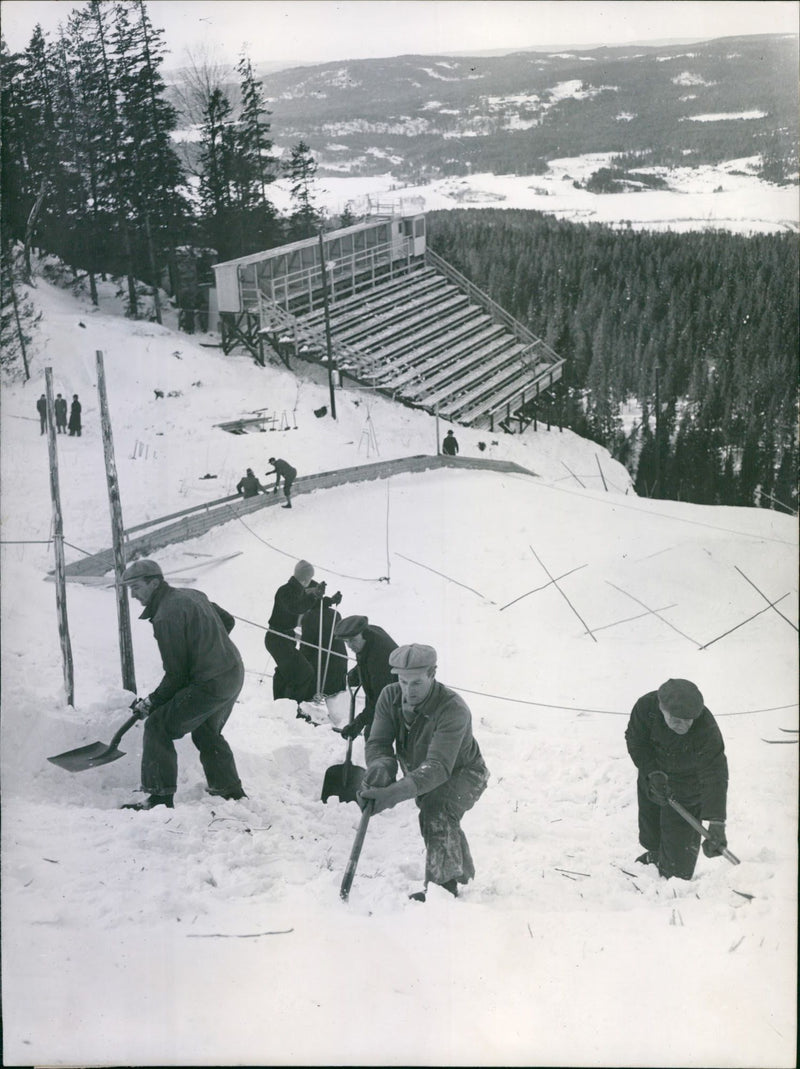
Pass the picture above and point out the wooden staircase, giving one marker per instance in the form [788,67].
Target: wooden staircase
[427,337]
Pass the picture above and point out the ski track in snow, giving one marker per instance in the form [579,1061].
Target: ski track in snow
[214,933]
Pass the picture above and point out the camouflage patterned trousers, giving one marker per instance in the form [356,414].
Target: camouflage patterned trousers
[440,811]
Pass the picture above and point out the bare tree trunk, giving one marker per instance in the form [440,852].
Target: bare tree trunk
[30,225]
[117,534]
[20,331]
[58,541]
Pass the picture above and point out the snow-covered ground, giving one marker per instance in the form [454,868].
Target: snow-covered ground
[213,934]
[729,196]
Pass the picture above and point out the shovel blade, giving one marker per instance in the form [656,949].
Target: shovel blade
[96,753]
[342,782]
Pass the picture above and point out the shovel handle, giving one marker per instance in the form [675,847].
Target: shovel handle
[125,727]
[698,827]
[355,853]
[349,754]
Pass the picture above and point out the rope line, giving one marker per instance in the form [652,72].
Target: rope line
[504,697]
[293,556]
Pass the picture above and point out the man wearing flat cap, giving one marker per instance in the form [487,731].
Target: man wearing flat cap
[677,747]
[203,675]
[426,729]
[372,647]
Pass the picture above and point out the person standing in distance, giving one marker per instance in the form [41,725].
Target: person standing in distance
[248,485]
[41,408]
[677,748]
[426,728]
[61,414]
[450,444]
[203,675]
[283,468]
[75,417]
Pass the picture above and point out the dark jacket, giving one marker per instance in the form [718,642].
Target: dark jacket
[695,762]
[281,467]
[336,677]
[192,637]
[372,669]
[75,416]
[291,601]
[450,445]
[438,744]
[61,410]
[248,486]
[41,406]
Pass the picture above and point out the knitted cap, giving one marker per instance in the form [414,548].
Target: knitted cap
[415,655]
[350,626]
[303,571]
[680,698]
[142,569]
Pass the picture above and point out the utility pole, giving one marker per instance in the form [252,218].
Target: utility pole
[328,342]
[436,411]
[117,534]
[58,543]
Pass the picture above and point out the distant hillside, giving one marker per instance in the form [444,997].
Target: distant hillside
[426,116]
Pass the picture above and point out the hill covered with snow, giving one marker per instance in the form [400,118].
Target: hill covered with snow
[214,933]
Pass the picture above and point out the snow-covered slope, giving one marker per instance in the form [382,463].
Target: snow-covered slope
[214,933]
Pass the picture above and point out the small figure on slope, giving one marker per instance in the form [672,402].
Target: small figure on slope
[41,408]
[75,417]
[248,485]
[61,414]
[203,675]
[450,444]
[283,468]
[426,728]
[677,747]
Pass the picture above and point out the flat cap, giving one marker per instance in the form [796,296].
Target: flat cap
[681,698]
[415,655]
[142,569]
[349,626]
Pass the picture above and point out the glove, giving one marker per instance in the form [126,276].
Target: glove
[387,797]
[337,598]
[352,731]
[377,775]
[713,847]
[658,787]
[141,708]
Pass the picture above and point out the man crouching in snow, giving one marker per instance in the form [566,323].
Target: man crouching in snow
[427,728]
[676,745]
[203,675]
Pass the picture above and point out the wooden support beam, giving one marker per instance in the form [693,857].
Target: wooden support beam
[58,545]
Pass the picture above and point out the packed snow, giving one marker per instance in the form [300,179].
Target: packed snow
[214,933]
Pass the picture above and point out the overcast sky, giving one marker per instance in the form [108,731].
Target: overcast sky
[315,31]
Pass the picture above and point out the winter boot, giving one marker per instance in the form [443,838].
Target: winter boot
[647,858]
[151,802]
[230,796]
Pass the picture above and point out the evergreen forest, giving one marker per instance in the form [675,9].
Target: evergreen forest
[706,320]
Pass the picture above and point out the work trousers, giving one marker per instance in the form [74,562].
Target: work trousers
[294,677]
[673,843]
[202,709]
[447,854]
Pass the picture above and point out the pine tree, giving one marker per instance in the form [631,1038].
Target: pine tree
[301,169]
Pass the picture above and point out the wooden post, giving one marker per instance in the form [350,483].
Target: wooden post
[657,490]
[123,612]
[438,449]
[58,543]
[328,342]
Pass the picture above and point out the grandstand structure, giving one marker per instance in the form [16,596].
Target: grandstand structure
[391,315]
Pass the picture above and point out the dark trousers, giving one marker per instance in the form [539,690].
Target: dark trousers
[202,709]
[294,677]
[287,487]
[673,843]
[447,853]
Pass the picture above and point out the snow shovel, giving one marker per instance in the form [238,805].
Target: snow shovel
[343,781]
[355,853]
[698,827]
[96,753]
